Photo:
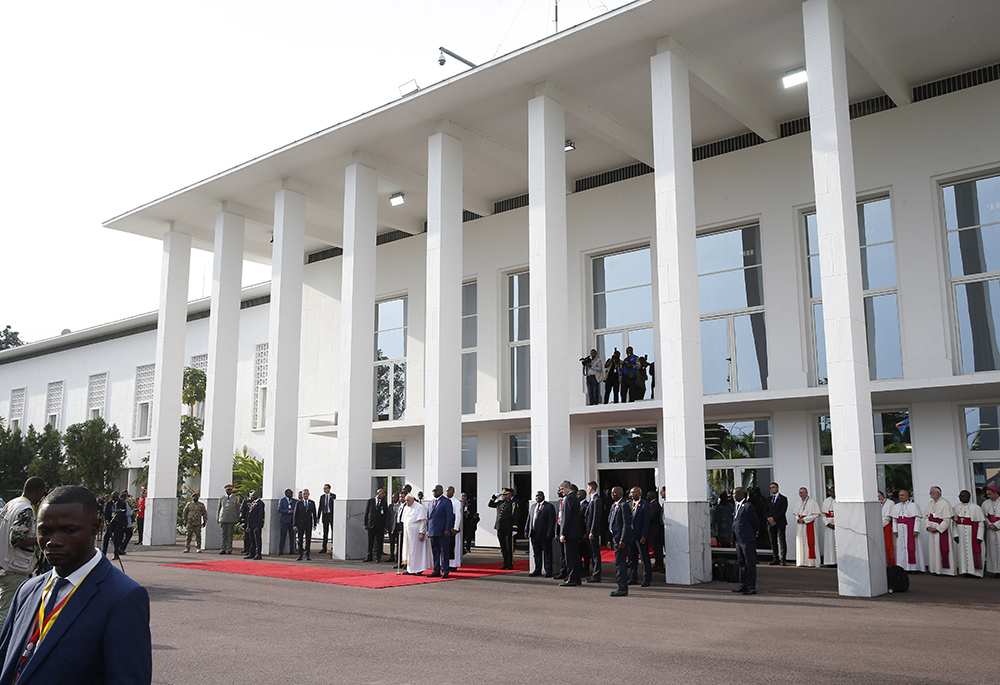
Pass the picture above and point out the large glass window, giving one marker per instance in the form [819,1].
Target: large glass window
[520,449]
[982,445]
[518,340]
[892,440]
[731,300]
[878,275]
[626,445]
[470,342]
[972,222]
[739,454]
[390,359]
[388,455]
[470,451]
[623,303]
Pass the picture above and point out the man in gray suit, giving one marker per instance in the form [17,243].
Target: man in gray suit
[228,517]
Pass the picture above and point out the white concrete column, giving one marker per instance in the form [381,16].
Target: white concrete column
[168,383]
[860,549]
[283,349]
[443,335]
[686,519]
[223,353]
[552,377]
[352,479]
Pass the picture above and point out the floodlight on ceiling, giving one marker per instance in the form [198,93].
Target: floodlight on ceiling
[794,77]
[396,199]
[570,145]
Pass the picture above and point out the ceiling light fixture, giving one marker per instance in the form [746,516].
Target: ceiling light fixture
[396,199]
[794,77]
[570,145]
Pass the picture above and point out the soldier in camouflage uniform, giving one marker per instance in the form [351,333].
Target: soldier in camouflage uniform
[18,541]
[195,517]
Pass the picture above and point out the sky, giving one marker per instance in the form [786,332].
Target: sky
[110,104]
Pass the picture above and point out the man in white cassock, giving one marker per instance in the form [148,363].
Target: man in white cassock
[906,519]
[940,546]
[991,510]
[829,529]
[416,544]
[968,533]
[456,533]
[806,533]
[887,505]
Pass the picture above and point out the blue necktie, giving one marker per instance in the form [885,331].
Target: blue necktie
[51,604]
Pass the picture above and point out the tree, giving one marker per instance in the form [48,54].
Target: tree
[192,427]
[95,455]
[46,451]
[248,473]
[9,338]
[14,460]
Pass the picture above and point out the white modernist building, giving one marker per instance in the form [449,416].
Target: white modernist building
[814,273]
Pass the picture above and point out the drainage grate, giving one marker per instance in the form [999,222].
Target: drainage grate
[613,176]
[976,77]
[510,203]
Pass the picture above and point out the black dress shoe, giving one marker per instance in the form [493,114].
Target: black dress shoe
[298,558]
[308,558]
[436,574]
[222,551]
[739,590]
[619,593]
[568,584]
[774,563]
[750,592]
[633,582]
[593,580]
[366,559]
[444,575]
[549,575]
[323,551]
[784,563]
[644,583]
[534,574]
[559,576]
[257,558]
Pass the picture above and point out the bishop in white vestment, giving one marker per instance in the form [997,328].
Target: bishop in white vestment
[991,510]
[968,533]
[890,549]
[906,518]
[829,530]
[940,546]
[416,544]
[456,533]
[806,535]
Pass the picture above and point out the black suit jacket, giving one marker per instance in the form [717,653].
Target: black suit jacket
[545,526]
[101,636]
[778,510]
[376,512]
[594,518]
[745,524]
[254,518]
[572,524]
[322,506]
[305,514]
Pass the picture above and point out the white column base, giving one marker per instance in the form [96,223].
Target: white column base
[688,557]
[211,534]
[161,521]
[350,539]
[860,550]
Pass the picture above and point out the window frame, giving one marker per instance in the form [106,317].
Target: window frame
[392,363]
[473,350]
[509,345]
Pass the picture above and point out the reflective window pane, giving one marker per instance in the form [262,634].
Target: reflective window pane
[608,343]
[894,477]
[518,324]
[820,343]
[469,332]
[825,436]
[751,352]
[882,325]
[517,290]
[390,314]
[974,250]
[382,392]
[730,290]
[815,277]
[520,449]
[469,307]
[978,307]
[878,267]
[469,383]
[390,344]
[985,474]
[520,377]
[973,203]
[715,356]
[623,270]
[387,455]
[982,428]
[626,445]
[892,432]
[399,391]
[643,344]
[875,222]
[727,250]
[470,446]
[738,440]
[812,234]
[623,307]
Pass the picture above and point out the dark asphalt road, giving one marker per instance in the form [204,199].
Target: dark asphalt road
[222,628]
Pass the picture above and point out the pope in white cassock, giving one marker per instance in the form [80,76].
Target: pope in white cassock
[806,533]
[416,544]
[991,510]
[968,535]
[456,533]
[887,505]
[906,517]
[829,530]
[940,546]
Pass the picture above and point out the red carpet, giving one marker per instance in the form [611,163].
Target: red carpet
[339,576]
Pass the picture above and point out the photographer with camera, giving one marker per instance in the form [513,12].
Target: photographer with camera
[612,375]
[593,369]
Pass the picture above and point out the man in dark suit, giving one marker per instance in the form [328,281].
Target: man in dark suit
[305,522]
[541,531]
[376,512]
[592,527]
[570,532]
[326,515]
[286,514]
[581,495]
[506,524]
[391,523]
[777,521]
[640,537]
[100,633]
[115,512]
[745,527]
[440,524]
[655,529]
[253,525]
[620,525]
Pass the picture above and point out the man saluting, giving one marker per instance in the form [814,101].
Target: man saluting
[84,621]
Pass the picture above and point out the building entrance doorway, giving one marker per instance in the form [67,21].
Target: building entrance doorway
[520,483]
